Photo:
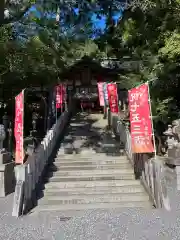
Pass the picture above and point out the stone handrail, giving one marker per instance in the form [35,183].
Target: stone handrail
[151,171]
[125,138]
[29,174]
[154,181]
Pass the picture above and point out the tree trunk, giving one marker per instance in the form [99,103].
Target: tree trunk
[2,8]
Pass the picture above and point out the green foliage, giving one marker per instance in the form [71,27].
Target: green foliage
[39,60]
[171,49]
[148,38]
[36,48]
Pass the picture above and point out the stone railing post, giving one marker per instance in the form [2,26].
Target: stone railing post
[178,177]
[20,172]
[109,117]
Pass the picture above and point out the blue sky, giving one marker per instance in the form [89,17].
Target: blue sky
[98,23]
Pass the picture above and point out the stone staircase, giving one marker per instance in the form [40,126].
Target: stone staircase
[90,179]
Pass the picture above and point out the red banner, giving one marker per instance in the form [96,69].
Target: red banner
[19,127]
[60,95]
[113,97]
[140,120]
[101,95]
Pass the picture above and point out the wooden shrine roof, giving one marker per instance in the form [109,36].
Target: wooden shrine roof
[93,66]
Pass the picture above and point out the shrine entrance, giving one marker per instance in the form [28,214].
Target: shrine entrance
[87,99]
[82,79]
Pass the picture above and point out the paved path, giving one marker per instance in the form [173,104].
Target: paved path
[94,225]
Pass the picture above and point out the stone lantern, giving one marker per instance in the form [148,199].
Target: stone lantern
[173,148]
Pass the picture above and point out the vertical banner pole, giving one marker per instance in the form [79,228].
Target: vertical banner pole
[65,96]
[153,135]
[105,99]
[56,89]
[61,98]
[56,115]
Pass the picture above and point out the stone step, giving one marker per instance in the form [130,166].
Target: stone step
[80,151]
[87,163]
[93,190]
[58,166]
[78,207]
[93,160]
[94,198]
[89,156]
[93,184]
[63,155]
[90,172]
[91,177]
[106,149]
[70,150]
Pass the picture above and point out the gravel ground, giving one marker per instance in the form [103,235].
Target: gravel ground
[93,225]
[127,224]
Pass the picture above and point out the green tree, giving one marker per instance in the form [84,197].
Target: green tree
[147,38]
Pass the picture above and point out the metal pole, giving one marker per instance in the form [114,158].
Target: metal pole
[45,114]
[56,115]
[149,100]
[10,138]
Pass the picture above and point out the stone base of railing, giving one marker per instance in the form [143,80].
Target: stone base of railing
[154,177]
[7,178]
[178,177]
[174,162]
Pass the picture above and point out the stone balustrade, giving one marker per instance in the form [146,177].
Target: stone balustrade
[151,171]
[30,174]
[154,180]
